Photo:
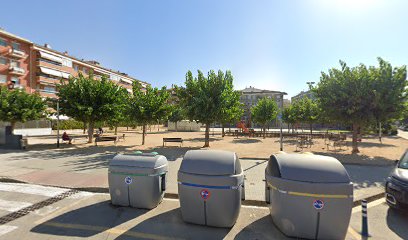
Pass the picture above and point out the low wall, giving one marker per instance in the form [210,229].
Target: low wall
[184,126]
[33,131]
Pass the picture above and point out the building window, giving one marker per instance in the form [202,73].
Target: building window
[67,63]
[15,81]
[3,42]
[49,89]
[3,78]
[3,60]
[76,67]
[85,70]
[14,63]
[15,45]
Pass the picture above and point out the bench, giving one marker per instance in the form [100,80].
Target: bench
[180,140]
[114,138]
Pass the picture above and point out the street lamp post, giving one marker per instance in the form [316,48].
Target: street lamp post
[280,120]
[58,133]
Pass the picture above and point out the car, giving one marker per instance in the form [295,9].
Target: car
[396,186]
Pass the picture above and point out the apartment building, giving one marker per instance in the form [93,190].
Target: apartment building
[36,68]
[303,94]
[14,61]
[250,97]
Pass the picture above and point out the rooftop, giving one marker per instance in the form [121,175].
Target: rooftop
[256,90]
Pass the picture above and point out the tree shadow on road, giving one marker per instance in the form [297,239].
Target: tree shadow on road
[397,221]
[171,225]
[89,220]
[263,228]
[246,141]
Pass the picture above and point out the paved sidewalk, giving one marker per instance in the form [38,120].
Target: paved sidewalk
[88,170]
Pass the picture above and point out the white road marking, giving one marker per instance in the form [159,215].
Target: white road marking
[32,189]
[13,206]
[6,229]
[81,195]
[369,205]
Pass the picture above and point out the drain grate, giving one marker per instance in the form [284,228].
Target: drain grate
[22,212]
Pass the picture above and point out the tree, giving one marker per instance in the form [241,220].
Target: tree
[348,95]
[177,114]
[207,99]
[307,111]
[233,111]
[288,116]
[265,111]
[90,100]
[19,106]
[388,90]
[149,106]
[120,116]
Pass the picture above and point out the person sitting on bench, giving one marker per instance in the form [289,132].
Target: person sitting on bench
[67,138]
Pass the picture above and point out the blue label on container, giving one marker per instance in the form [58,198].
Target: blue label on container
[318,204]
[128,180]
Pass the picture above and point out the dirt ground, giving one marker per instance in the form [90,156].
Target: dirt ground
[371,150]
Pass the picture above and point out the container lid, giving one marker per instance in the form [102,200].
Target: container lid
[311,168]
[209,162]
[145,160]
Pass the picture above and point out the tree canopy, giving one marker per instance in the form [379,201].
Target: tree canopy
[19,106]
[149,106]
[361,95]
[208,99]
[264,112]
[89,100]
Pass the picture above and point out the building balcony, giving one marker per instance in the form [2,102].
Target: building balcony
[47,81]
[16,71]
[16,53]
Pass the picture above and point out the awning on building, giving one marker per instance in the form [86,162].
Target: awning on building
[126,81]
[54,72]
[50,57]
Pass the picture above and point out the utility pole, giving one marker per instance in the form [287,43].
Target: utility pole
[58,133]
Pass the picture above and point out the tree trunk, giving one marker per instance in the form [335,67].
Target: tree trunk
[12,126]
[288,127]
[116,130]
[355,136]
[264,130]
[311,129]
[84,128]
[90,131]
[223,132]
[143,134]
[175,124]
[380,132]
[207,135]
[127,128]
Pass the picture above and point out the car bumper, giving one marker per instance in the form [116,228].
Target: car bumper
[396,194]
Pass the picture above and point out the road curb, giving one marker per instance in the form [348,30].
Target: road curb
[246,202]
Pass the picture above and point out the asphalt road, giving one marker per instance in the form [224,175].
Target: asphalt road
[35,212]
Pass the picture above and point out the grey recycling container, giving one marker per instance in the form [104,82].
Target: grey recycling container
[210,187]
[137,180]
[309,196]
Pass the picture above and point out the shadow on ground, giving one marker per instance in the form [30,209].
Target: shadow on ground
[397,221]
[263,228]
[96,218]
[347,157]
[91,157]
[171,153]
[246,141]
[171,225]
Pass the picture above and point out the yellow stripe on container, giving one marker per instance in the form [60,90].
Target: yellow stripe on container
[317,195]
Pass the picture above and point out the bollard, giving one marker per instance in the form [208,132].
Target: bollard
[364,225]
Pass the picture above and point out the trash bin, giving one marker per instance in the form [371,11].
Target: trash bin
[309,196]
[210,187]
[137,180]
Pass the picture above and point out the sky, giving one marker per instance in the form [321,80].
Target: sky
[274,45]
